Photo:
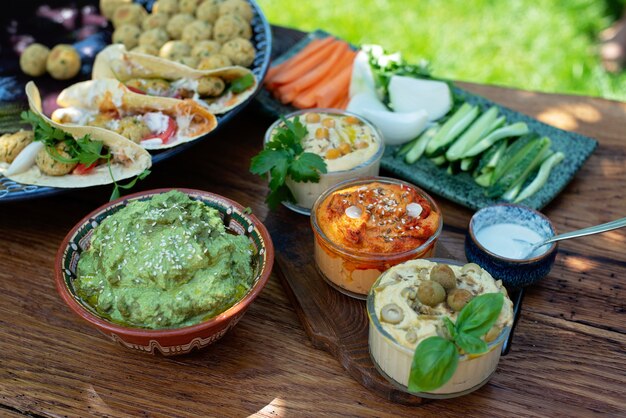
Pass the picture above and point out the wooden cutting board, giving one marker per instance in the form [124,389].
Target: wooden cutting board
[333,321]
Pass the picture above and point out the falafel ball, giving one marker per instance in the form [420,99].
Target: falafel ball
[169,7]
[129,14]
[146,49]
[107,7]
[240,51]
[229,27]
[33,59]
[208,11]
[177,23]
[12,144]
[189,61]
[211,86]
[63,62]
[205,49]
[156,37]
[237,7]
[188,6]
[155,20]
[175,50]
[133,128]
[214,61]
[198,30]
[52,167]
[127,35]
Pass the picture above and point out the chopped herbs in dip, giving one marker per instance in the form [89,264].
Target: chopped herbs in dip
[164,262]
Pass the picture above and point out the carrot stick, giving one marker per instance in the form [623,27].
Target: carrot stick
[313,77]
[329,93]
[343,105]
[307,98]
[306,64]
[311,48]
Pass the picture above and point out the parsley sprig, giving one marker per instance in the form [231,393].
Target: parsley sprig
[83,150]
[284,157]
[436,358]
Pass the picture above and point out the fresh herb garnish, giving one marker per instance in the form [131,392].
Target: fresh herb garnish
[436,358]
[284,156]
[83,150]
[242,83]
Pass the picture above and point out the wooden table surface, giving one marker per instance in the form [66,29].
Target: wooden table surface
[568,356]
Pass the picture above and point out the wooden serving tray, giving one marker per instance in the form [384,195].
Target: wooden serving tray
[333,321]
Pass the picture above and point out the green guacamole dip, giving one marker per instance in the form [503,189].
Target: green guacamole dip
[165,262]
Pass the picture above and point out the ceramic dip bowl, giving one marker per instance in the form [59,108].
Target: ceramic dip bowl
[495,241]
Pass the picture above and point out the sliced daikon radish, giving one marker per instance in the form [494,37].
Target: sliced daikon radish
[25,159]
[408,94]
[365,100]
[397,128]
[362,80]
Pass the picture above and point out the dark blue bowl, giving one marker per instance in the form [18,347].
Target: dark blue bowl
[514,273]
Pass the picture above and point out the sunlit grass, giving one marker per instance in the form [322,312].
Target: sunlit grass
[545,45]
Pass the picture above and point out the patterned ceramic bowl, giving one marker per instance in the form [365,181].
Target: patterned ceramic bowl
[172,341]
[514,273]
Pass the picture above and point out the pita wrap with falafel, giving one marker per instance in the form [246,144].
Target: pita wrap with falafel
[70,156]
[219,90]
[152,122]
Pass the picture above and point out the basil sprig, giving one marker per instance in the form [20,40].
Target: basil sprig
[436,358]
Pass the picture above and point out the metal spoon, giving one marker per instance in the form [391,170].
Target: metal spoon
[609,226]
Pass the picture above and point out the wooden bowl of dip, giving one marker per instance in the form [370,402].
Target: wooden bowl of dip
[166,341]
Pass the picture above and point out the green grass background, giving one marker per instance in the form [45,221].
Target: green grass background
[541,45]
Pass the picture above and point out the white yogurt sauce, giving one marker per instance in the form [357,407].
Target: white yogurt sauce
[501,239]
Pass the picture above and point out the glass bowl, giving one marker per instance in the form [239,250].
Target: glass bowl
[352,271]
[394,360]
[306,193]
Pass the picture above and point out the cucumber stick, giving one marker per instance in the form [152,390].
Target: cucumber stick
[542,176]
[419,146]
[473,134]
[453,127]
[520,166]
[516,129]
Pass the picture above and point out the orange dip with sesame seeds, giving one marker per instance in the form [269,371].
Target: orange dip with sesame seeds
[366,226]
[384,225]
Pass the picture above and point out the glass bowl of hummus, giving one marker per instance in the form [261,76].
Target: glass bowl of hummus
[403,311]
[350,146]
[164,271]
[364,226]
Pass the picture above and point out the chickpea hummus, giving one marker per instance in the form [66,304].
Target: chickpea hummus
[165,262]
[350,147]
[407,305]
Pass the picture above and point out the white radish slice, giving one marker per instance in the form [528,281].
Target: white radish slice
[25,159]
[151,142]
[362,80]
[397,128]
[365,100]
[408,94]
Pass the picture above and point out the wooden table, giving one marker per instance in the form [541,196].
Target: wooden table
[568,355]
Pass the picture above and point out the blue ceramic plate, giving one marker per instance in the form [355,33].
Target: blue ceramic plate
[12,100]
[460,188]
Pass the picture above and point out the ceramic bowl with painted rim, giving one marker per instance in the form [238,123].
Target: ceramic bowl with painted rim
[170,341]
[515,273]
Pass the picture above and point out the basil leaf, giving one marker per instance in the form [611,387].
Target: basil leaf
[242,83]
[479,315]
[450,327]
[434,362]
[470,344]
